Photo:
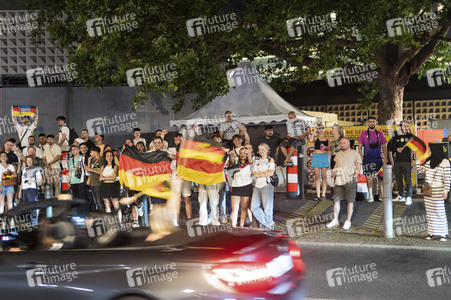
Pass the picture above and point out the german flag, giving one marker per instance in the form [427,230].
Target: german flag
[24,111]
[417,145]
[201,161]
[145,172]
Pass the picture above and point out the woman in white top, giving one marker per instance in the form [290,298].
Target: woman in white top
[437,169]
[263,196]
[109,189]
[242,187]
[5,169]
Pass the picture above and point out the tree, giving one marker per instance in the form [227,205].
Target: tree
[356,36]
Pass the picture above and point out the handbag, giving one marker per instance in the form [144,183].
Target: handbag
[427,189]
[274,179]
[7,180]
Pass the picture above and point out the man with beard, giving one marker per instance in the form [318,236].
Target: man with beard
[84,138]
[31,141]
[42,141]
[272,141]
[402,162]
[51,158]
[373,141]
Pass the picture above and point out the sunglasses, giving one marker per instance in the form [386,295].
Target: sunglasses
[320,128]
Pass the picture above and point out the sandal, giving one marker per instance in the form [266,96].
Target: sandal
[429,237]
[316,199]
[322,198]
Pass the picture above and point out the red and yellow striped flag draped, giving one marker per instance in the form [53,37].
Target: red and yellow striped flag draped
[146,172]
[201,162]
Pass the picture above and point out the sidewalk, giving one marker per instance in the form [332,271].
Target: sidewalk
[307,221]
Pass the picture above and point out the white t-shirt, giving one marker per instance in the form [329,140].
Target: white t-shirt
[345,163]
[33,173]
[64,130]
[3,170]
[39,152]
[135,141]
[243,177]
[263,165]
[25,132]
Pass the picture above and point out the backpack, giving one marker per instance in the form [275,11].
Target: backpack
[72,135]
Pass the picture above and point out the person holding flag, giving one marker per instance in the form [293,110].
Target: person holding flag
[24,130]
[402,160]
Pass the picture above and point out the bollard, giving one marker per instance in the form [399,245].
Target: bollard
[388,203]
[292,177]
[301,171]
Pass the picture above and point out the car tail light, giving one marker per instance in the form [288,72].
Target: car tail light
[295,253]
[246,277]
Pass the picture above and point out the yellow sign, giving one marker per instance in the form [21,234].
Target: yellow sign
[354,132]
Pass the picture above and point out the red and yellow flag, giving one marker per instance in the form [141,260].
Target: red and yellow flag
[146,172]
[417,145]
[201,162]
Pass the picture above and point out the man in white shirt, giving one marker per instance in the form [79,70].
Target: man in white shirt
[297,131]
[26,129]
[52,154]
[138,138]
[63,135]
[232,127]
[347,167]
[31,142]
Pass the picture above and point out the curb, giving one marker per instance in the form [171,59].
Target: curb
[371,245]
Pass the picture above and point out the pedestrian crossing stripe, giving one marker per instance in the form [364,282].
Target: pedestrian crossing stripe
[375,218]
[303,210]
[319,209]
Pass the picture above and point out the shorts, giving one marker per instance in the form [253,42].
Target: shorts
[242,191]
[320,160]
[347,192]
[371,168]
[7,190]
[108,190]
[186,188]
[292,142]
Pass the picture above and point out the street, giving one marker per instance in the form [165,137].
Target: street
[400,274]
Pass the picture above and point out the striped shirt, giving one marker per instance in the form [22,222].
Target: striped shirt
[438,177]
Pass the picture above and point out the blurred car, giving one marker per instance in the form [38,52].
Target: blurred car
[72,255]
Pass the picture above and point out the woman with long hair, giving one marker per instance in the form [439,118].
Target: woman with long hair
[437,169]
[109,189]
[320,160]
[338,133]
[263,195]
[242,187]
[6,170]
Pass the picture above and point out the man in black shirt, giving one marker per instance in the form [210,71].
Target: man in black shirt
[272,141]
[402,162]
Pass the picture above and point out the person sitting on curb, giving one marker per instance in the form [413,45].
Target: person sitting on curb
[346,170]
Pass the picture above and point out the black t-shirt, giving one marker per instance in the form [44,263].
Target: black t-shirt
[90,144]
[11,157]
[399,141]
[273,143]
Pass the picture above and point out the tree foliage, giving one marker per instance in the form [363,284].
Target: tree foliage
[358,37]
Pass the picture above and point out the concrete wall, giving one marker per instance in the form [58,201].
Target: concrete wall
[85,108]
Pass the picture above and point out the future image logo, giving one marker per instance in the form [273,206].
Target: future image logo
[348,275]
[354,74]
[438,76]
[51,275]
[154,74]
[207,25]
[106,25]
[51,74]
[111,125]
[153,274]
[410,25]
[438,276]
[311,25]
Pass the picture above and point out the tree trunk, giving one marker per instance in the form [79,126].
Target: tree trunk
[391,92]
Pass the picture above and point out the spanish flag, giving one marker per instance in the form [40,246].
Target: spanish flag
[417,145]
[201,161]
[24,111]
[146,172]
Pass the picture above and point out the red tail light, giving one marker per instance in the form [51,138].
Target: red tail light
[295,253]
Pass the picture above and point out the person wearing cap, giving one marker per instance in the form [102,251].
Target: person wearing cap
[98,138]
[272,141]
[25,130]
[95,163]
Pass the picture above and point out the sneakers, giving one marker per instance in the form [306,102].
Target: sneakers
[408,201]
[429,237]
[140,210]
[347,225]
[401,199]
[223,220]
[370,199]
[443,239]
[333,223]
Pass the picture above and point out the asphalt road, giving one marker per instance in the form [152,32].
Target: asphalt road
[365,273]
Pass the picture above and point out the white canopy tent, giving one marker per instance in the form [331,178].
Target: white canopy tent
[252,101]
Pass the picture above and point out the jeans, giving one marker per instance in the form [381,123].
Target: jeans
[262,204]
[222,202]
[403,169]
[208,193]
[145,204]
[79,190]
[95,192]
[29,195]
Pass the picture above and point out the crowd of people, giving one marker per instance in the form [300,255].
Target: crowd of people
[248,191]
